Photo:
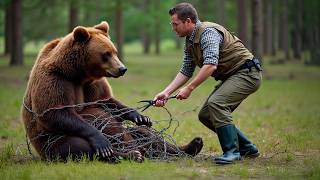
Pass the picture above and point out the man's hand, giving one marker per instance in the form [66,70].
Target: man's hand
[184,92]
[161,99]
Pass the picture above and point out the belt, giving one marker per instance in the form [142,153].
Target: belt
[251,63]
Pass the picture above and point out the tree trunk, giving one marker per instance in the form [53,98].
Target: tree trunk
[17,44]
[204,9]
[146,41]
[312,31]
[242,22]
[145,32]
[298,24]
[157,29]
[119,29]
[73,15]
[275,25]
[8,30]
[267,34]
[220,8]
[283,37]
[256,9]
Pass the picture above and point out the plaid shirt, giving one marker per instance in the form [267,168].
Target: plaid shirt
[210,42]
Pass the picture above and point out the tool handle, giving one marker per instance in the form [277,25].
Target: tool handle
[172,97]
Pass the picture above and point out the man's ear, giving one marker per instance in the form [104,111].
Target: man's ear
[189,20]
[103,26]
[80,34]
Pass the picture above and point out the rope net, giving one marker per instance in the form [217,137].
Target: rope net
[153,143]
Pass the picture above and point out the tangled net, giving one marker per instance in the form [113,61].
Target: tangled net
[155,144]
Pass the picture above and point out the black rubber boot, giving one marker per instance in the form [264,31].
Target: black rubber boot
[246,148]
[229,143]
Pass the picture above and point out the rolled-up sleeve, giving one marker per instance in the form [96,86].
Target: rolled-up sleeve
[210,43]
[188,66]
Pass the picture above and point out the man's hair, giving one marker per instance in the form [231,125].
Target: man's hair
[184,11]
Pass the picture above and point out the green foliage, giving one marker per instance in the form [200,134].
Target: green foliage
[2,15]
[44,20]
[4,3]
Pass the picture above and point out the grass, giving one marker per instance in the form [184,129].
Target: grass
[282,118]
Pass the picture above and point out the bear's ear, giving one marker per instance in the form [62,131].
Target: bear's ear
[103,26]
[80,34]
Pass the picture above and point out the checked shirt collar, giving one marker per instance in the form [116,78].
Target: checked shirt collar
[198,23]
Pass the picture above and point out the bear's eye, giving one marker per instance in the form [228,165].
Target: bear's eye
[106,56]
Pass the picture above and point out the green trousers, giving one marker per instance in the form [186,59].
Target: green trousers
[226,97]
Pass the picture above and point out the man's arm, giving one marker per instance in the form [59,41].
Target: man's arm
[178,81]
[211,40]
[203,74]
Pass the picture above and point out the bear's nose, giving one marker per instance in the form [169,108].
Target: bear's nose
[122,70]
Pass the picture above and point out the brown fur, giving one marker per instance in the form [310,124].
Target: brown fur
[69,71]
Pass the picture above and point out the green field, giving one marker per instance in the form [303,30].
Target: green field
[282,118]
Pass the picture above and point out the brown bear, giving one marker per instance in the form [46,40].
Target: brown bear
[72,70]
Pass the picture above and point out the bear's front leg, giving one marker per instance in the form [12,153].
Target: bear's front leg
[137,118]
[67,122]
[128,113]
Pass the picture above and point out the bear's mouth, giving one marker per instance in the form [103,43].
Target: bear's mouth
[109,74]
[119,72]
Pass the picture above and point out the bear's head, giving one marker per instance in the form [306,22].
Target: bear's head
[88,53]
[102,59]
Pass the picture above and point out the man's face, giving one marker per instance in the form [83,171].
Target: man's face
[181,28]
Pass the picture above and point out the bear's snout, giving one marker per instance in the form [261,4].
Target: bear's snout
[122,70]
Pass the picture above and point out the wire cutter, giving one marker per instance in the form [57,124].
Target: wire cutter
[152,103]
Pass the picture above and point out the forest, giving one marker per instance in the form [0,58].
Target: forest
[267,27]
[281,118]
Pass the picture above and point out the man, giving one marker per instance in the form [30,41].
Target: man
[222,55]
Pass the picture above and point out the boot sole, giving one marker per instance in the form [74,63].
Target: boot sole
[223,162]
[252,156]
